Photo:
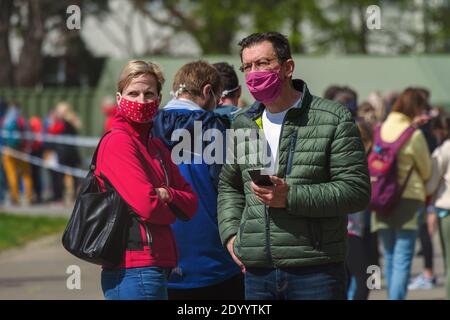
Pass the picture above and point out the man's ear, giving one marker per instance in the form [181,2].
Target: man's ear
[289,68]
[206,90]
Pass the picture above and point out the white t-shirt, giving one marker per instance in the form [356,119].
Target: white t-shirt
[272,123]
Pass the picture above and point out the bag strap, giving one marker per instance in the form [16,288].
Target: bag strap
[397,144]
[93,164]
[403,187]
[94,156]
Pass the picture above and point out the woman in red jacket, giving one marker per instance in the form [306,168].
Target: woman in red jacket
[140,168]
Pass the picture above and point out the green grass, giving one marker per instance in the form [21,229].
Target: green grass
[16,230]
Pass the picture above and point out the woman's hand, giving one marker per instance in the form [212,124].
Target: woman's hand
[163,194]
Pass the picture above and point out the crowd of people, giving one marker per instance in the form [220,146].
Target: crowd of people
[210,231]
[21,140]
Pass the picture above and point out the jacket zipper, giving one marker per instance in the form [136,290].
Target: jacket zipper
[149,237]
[165,172]
[267,233]
[291,153]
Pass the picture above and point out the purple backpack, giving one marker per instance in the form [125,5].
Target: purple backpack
[382,161]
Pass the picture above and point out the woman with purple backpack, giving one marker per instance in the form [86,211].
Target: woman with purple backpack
[397,226]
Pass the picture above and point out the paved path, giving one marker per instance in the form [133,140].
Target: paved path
[38,271]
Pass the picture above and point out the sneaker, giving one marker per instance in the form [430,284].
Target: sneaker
[420,282]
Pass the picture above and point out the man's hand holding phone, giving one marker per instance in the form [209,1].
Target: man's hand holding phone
[274,195]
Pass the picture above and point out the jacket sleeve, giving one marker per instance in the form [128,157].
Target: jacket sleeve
[184,199]
[122,165]
[439,167]
[230,201]
[348,189]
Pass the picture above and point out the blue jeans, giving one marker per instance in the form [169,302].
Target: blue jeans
[398,255]
[147,283]
[324,282]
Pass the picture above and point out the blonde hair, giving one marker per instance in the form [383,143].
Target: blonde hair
[64,111]
[137,68]
[193,76]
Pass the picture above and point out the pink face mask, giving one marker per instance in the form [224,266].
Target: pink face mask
[138,112]
[265,86]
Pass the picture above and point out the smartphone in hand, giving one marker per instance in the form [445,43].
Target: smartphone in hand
[259,178]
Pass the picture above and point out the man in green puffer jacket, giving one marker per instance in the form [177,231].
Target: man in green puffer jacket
[290,238]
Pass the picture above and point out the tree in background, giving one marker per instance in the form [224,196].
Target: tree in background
[313,27]
[32,21]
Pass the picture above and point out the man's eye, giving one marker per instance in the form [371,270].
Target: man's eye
[263,63]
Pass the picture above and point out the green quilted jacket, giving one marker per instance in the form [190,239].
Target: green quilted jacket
[322,158]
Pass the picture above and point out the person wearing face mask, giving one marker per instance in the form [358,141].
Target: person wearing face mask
[290,237]
[231,92]
[140,168]
[205,270]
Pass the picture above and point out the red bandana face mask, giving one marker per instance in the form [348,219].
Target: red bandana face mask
[138,112]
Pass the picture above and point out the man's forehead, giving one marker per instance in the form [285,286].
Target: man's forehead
[258,51]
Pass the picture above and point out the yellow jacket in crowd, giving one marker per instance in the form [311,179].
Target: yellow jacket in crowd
[414,152]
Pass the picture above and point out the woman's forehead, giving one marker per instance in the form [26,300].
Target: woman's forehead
[143,82]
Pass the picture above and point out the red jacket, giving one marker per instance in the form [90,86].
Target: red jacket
[135,165]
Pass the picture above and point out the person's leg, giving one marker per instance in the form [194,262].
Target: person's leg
[25,170]
[323,282]
[427,249]
[154,283]
[444,232]
[9,163]
[230,289]
[370,244]
[359,268]
[36,177]
[260,284]
[57,185]
[403,254]
[387,237]
[147,283]
[2,184]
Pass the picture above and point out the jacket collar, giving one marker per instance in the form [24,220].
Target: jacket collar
[258,107]
[185,104]
[139,130]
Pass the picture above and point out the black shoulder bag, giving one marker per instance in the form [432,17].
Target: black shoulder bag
[97,231]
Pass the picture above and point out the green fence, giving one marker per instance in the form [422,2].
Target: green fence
[36,102]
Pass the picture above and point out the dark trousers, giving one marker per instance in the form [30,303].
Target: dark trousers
[427,246]
[57,185]
[36,176]
[357,263]
[231,289]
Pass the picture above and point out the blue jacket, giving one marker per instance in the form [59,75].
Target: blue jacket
[203,261]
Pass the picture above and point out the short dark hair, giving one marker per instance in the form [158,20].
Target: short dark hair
[279,42]
[229,78]
[331,92]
